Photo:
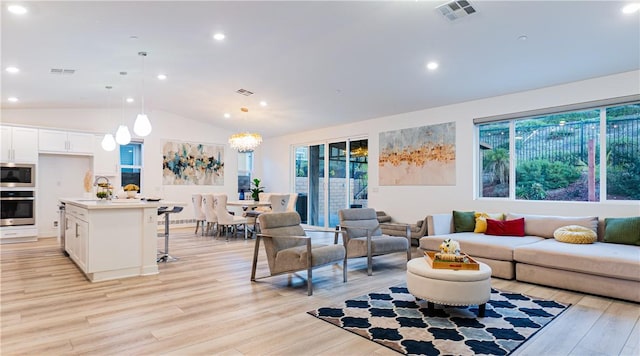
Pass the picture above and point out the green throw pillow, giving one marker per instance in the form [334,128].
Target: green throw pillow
[464,221]
[622,230]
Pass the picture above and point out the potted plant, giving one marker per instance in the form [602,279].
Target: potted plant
[256,190]
[131,190]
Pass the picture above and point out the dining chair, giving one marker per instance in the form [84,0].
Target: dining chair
[293,198]
[225,219]
[363,237]
[288,249]
[210,215]
[279,202]
[198,212]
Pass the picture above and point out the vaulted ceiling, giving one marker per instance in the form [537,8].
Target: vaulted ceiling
[316,64]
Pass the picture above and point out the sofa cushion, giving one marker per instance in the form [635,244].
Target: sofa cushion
[544,226]
[513,227]
[481,220]
[599,258]
[575,234]
[622,230]
[479,245]
[464,221]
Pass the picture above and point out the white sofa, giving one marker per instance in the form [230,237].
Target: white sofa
[601,268]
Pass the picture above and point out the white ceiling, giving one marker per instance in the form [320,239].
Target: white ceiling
[317,64]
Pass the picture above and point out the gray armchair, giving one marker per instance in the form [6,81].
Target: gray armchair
[288,249]
[362,236]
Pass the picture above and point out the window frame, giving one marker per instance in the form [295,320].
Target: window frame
[511,119]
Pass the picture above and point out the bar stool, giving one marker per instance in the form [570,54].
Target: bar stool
[164,255]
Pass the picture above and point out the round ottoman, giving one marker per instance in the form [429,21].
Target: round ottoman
[449,287]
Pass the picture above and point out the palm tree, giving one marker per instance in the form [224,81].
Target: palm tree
[497,163]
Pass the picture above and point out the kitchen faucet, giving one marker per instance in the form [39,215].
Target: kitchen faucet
[97,183]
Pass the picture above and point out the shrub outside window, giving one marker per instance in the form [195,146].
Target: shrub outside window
[556,157]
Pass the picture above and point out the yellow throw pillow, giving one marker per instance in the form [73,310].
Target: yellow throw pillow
[575,234]
[481,220]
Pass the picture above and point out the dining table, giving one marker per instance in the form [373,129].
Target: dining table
[246,204]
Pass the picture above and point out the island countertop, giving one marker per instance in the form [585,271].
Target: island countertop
[88,203]
[112,239]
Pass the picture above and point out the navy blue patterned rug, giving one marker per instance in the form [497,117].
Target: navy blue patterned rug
[395,319]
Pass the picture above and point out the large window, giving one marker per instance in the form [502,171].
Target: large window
[557,156]
[131,164]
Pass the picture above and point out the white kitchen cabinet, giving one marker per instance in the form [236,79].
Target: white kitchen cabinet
[19,144]
[54,141]
[105,163]
[77,235]
[110,239]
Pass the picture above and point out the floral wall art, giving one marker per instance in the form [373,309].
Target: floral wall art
[423,155]
[186,163]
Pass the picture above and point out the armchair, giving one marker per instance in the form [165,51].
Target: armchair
[363,237]
[289,250]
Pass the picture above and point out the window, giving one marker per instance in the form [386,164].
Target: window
[245,167]
[557,156]
[131,164]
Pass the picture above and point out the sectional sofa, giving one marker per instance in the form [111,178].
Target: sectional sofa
[602,268]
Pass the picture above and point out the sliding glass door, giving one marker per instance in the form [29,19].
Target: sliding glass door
[321,195]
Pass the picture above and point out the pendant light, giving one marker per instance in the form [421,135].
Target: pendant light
[108,142]
[142,125]
[123,137]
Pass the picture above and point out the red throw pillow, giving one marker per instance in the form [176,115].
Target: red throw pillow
[505,228]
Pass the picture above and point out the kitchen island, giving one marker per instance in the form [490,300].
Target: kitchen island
[112,239]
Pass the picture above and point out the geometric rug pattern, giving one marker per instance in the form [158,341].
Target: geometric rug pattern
[396,319]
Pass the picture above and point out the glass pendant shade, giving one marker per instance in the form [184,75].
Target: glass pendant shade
[245,142]
[142,125]
[123,137]
[108,142]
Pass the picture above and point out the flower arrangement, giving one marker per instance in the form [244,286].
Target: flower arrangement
[450,246]
[131,188]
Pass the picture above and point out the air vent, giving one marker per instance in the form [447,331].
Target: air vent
[61,71]
[244,92]
[455,10]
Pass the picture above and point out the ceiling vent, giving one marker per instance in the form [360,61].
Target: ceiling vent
[455,10]
[244,92]
[61,71]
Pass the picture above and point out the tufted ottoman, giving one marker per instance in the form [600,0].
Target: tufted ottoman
[449,287]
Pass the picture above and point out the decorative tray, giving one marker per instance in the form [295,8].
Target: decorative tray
[437,264]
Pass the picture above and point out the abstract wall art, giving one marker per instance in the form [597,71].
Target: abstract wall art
[185,163]
[423,155]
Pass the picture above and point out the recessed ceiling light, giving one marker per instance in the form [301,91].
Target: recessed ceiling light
[263,103]
[219,36]
[162,76]
[130,100]
[227,115]
[17,9]
[12,69]
[523,38]
[432,65]
[631,8]
[12,99]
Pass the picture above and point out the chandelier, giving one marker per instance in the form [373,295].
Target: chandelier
[245,141]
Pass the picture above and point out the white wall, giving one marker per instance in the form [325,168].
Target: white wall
[166,126]
[411,203]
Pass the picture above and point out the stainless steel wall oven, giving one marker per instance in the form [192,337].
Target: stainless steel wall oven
[17,207]
[17,175]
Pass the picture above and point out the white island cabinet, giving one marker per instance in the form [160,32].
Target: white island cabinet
[111,239]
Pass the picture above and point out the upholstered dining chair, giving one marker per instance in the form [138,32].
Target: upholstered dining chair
[198,212]
[293,198]
[279,202]
[363,237]
[225,219]
[209,213]
[288,249]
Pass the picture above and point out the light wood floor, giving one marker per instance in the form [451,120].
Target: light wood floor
[205,304]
